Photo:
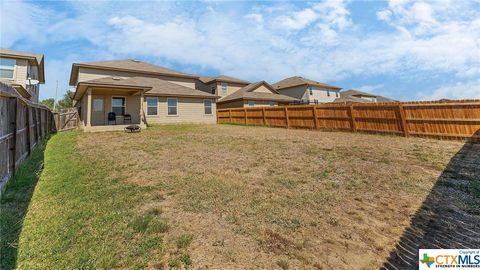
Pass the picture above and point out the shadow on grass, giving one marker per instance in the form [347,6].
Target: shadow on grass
[450,215]
[14,204]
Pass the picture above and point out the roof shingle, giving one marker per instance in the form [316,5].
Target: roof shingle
[297,81]
[247,92]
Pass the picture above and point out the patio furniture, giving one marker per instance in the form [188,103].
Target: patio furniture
[127,118]
[112,117]
[132,128]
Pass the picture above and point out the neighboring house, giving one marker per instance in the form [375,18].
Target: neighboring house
[221,86]
[16,68]
[145,92]
[307,91]
[353,96]
[255,95]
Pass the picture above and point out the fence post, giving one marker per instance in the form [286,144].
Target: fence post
[29,142]
[245,112]
[230,115]
[352,118]
[264,117]
[403,121]
[286,117]
[315,124]
[14,139]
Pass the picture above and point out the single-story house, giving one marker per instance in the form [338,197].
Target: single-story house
[255,95]
[112,94]
[352,96]
[221,86]
[306,90]
[20,69]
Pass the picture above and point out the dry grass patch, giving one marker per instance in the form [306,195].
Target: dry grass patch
[275,197]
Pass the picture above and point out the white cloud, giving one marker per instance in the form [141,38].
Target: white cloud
[461,90]
[297,20]
[318,40]
[256,17]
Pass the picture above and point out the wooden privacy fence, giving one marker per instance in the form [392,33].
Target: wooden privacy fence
[22,125]
[66,119]
[453,119]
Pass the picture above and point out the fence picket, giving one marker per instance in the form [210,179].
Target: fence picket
[439,119]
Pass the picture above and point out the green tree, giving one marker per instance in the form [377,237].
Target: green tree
[67,101]
[48,102]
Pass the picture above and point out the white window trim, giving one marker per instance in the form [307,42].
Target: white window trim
[124,105]
[14,73]
[211,107]
[173,115]
[146,98]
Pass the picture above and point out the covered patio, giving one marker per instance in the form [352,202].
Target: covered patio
[110,104]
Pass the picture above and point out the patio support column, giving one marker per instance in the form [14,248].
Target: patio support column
[141,108]
[89,107]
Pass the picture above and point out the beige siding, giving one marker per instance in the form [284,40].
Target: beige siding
[323,95]
[299,92]
[263,89]
[302,92]
[260,103]
[231,88]
[189,110]
[244,104]
[85,74]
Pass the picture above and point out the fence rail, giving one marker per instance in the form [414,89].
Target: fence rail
[458,119]
[22,126]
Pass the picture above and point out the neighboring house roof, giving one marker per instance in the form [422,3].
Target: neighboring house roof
[129,65]
[297,81]
[222,78]
[153,86]
[350,99]
[353,93]
[38,59]
[248,92]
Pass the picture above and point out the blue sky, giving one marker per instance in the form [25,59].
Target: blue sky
[402,49]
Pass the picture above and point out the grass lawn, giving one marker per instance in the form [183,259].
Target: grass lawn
[206,196]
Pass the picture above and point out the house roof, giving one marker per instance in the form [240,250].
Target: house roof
[353,92]
[130,65]
[248,92]
[152,86]
[350,99]
[297,81]
[37,59]
[222,78]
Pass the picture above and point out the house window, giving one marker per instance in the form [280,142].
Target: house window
[328,93]
[251,103]
[315,101]
[172,106]
[336,93]
[310,90]
[152,106]
[224,87]
[118,105]
[6,68]
[207,104]
[272,103]
[212,89]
